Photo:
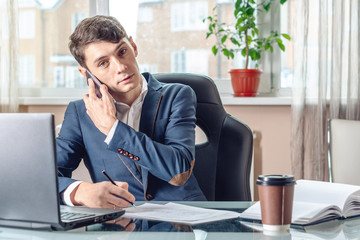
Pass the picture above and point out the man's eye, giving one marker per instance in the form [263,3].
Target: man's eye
[122,51]
[102,64]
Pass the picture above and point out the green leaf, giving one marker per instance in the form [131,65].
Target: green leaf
[282,1]
[286,36]
[258,53]
[242,28]
[234,41]
[238,8]
[271,48]
[249,40]
[239,22]
[243,52]
[210,28]
[208,34]
[269,38]
[223,39]
[252,54]
[278,40]
[214,50]
[226,53]
[267,46]
[232,55]
[266,5]
[250,11]
[237,4]
[281,46]
[236,12]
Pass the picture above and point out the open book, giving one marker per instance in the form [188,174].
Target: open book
[316,201]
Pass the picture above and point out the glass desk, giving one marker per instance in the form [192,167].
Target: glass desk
[228,229]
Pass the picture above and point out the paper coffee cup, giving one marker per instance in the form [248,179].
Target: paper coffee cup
[276,194]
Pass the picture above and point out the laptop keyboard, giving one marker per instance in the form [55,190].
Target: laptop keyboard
[70,216]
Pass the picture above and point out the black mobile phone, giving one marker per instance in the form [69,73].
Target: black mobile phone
[96,81]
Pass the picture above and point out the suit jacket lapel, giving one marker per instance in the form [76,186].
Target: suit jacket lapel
[151,103]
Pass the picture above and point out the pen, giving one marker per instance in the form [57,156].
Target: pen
[112,181]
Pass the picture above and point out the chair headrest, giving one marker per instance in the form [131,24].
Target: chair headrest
[204,87]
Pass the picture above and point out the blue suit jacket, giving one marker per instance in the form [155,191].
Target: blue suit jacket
[156,161]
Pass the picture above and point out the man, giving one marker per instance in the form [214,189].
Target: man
[141,131]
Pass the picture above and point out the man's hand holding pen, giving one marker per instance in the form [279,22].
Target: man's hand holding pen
[102,195]
[114,183]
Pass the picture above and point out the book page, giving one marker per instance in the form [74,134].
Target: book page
[323,192]
[306,212]
[352,205]
[303,212]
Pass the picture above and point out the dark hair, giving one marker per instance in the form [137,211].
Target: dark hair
[94,29]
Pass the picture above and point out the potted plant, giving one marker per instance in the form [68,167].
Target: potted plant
[243,37]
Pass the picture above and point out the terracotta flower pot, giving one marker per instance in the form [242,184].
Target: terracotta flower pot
[245,82]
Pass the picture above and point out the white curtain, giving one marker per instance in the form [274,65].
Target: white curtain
[8,56]
[326,78]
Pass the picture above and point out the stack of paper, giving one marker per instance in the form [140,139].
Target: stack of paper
[178,213]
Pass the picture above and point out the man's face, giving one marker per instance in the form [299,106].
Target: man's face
[114,64]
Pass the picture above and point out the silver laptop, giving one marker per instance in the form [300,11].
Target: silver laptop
[28,177]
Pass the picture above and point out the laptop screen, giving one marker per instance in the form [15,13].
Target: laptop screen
[28,173]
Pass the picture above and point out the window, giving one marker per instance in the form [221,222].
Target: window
[286,58]
[170,35]
[26,24]
[44,29]
[145,15]
[59,81]
[178,61]
[76,18]
[194,61]
[26,70]
[188,16]
[73,78]
[148,68]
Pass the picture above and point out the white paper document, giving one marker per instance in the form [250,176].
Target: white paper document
[178,213]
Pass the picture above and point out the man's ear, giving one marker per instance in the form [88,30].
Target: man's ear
[134,46]
[82,70]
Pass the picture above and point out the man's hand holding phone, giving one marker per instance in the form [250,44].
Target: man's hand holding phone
[96,81]
[101,110]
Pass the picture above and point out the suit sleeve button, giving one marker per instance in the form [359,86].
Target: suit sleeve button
[149,197]
[125,153]
[131,156]
[120,150]
[136,158]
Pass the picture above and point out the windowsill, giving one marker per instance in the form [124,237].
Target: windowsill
[230,100]
[46,100]
[227,100]
[224,87]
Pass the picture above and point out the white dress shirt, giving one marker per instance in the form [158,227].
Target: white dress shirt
[129,115]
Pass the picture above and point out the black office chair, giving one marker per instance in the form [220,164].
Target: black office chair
[222,165]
